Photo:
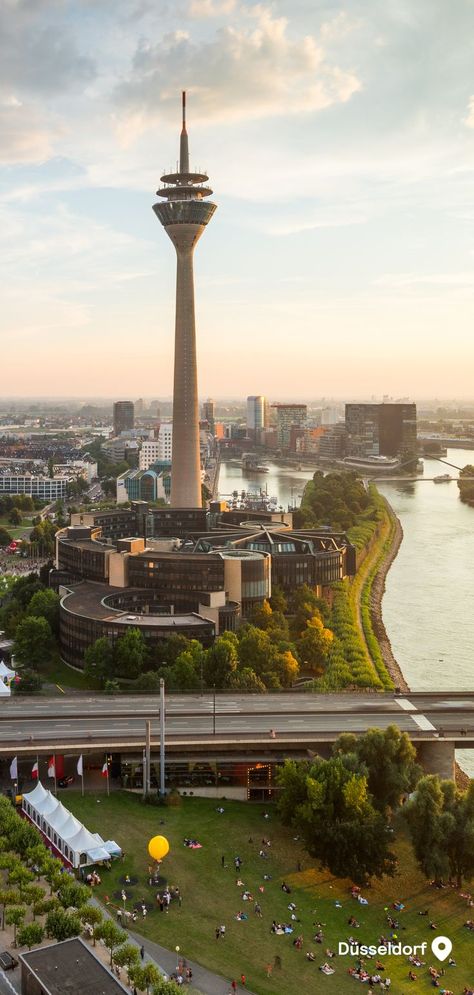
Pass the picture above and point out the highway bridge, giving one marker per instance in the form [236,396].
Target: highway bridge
[219,726]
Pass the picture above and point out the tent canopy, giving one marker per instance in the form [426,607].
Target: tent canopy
[4,690]
[100,853]
[113,848]
[67,834]
[37,795]
[6,671]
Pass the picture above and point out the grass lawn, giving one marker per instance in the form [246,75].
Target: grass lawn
[59,673]
[16,532]
[211,897]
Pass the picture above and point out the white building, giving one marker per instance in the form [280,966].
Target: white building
[154,450]
[44,488]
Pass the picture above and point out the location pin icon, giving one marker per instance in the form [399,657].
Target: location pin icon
[441,947]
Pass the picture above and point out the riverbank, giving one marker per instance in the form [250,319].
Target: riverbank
[376,594]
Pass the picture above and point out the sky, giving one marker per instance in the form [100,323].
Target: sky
[339,142]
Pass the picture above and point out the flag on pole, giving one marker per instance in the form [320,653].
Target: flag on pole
[14,769]
[80,769]
[105,770]
[34,770]
[51,767]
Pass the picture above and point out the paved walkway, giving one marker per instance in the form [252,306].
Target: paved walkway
[203,980]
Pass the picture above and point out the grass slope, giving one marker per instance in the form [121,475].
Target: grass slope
[211,897]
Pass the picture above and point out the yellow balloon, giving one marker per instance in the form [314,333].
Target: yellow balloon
[158,847]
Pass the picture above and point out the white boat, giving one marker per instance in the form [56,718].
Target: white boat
[443,478]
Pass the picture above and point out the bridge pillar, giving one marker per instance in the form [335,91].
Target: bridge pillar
[437,757]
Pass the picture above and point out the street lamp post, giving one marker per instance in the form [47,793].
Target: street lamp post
[162,737]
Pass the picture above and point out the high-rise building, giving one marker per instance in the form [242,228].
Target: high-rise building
[124,416]
[387,429]
[288,416]
[255,416]
[208,413]
[157,449]
[184,215]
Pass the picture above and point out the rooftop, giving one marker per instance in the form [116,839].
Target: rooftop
[71,968]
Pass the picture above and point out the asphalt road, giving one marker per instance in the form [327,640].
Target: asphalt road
[192,718]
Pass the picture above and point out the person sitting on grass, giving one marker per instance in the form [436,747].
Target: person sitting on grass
[326,968]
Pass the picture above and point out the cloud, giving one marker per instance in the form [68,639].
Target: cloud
[469,120]
[210,8]
[37,57]
[252,68]
[25,135]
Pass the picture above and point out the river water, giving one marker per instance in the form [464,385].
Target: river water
[428,606]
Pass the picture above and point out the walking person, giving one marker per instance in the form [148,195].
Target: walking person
[142,952]
[223,861]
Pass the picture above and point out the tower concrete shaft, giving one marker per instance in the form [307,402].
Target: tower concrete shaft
[184,214]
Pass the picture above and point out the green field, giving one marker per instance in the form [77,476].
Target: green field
[211,897]
[16,532]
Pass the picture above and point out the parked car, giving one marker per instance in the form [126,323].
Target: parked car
[64,782]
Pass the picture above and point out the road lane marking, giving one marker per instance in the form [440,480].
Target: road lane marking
[407,706]
[424,723]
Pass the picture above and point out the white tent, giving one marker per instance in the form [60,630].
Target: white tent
[68,836]
[6,671]
[4,690]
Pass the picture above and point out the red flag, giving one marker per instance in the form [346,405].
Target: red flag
[105,770]
[51,767]
[34,770]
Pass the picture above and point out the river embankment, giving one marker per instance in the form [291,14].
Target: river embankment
[376,597]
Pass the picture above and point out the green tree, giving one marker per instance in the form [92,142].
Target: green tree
[221,661]
[14,917]
[21,876]
[72,894]
[130,654]
[314,645]
[278,600]
[61,925]
[33,642]
[93,916]
[45,604]
[149,681]
[30,935]
[429,826]
[146,977]
[15,517]
[5,537]
[246,679]
[127,956]
[336,818]
[112,936]
[389,758]
[99,661]
[8,896]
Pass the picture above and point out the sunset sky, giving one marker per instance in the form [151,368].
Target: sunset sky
[339,142]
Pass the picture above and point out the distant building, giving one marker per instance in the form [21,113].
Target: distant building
[289,415]
[255,416]
[145,485]
[157,449]
[139,407]
[332,443]
[387,429]
[208,414]
[124,416]
[43,488]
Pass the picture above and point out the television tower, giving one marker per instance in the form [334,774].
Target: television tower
[184,215]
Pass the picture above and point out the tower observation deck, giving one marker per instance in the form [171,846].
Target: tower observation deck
[184,214]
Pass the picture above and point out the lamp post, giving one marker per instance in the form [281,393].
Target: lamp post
[162,737]
[214,710]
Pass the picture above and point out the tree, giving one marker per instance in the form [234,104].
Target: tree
[149,681]
[145,977]
[8,896]
[112,936]
[14,917]
[45,604]
[5,537]
[30,935]
[93,916]
[61,925]
[278,600]
[329,805]
[22,877]
[305,604]
[389,758]
[33,642]
[30,683]
[247,680]
[314,645]
[99,660]
[71,893]
[221,661]
[15,517]
[442,817]
[127,956]
[168,650]
[130,654]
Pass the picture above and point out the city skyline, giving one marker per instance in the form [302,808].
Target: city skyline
[343,162]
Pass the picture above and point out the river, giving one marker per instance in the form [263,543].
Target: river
[428,606]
